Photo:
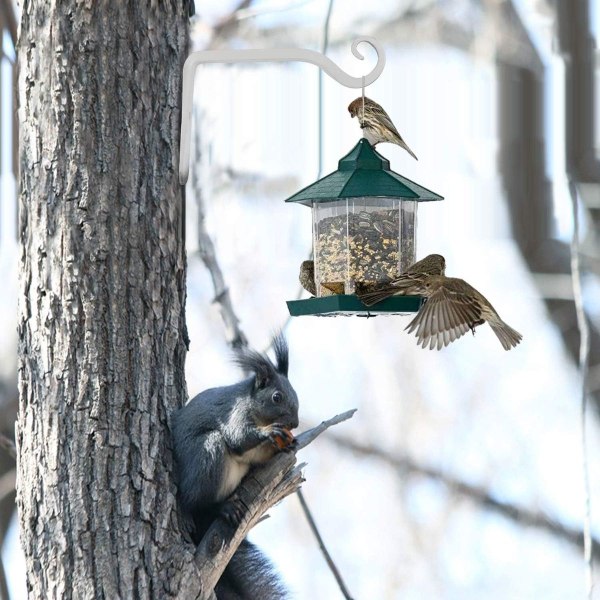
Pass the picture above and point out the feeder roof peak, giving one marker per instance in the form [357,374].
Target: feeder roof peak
[363,172]
[363,156]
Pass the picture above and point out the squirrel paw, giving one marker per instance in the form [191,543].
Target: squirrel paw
[281,438]
[233,511]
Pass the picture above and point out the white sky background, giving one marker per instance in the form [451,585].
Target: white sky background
[508,421]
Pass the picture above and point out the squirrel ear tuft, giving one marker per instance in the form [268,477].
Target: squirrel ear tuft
[254,362]
[282,353]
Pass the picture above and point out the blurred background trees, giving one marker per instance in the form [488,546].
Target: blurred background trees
[460,477]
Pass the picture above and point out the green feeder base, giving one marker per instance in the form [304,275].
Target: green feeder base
[331,306]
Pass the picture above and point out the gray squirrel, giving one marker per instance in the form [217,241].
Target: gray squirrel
[218,436]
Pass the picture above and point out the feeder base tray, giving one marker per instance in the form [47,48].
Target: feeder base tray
[331,306]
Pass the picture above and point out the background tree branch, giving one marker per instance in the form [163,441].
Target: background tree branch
[520,515]
[206,249]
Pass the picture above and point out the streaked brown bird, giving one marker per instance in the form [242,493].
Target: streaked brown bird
[452,308]
[336,287]
[307,277]
[433,264]
[376,123]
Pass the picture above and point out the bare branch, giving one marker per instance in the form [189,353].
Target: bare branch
[233,332]
[332,566]
[307,437]
[260,490]
[480,496]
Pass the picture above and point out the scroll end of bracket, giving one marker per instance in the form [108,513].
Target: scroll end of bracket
[183,175]
[379,51]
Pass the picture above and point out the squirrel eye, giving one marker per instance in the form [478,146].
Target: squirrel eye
[277,397]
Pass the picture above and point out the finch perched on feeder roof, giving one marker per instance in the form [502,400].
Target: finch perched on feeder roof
[376,123]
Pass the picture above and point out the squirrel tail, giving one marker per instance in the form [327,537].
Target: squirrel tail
[249,576]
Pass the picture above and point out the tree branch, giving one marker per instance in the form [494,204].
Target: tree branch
[332,566]
[260,490]
[307,437]
[480,496]
[233,332]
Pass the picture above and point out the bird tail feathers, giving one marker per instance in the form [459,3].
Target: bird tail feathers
[405,146]
[508,337]
[370,298]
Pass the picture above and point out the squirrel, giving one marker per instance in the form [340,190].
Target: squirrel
[218,436]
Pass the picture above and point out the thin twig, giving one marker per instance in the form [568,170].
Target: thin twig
[307,437]
[206,249]
[315,530]
[584,352]
[520,515]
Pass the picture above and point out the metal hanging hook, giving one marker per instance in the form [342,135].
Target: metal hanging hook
[266,55]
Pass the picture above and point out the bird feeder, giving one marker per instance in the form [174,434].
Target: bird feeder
[364,232]
[364,214]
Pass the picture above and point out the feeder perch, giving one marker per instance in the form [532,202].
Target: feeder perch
[364,233]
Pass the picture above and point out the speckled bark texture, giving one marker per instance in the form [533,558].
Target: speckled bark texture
[101,324]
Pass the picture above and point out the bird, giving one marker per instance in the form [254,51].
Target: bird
[432,264]
[307,277]
[335,287]
[453,307]
[376,123]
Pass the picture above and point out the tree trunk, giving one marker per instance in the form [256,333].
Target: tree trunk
[102,336]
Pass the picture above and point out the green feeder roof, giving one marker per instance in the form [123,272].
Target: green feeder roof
[363,172]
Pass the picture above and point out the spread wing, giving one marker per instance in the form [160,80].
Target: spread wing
[446,315]
[401,286]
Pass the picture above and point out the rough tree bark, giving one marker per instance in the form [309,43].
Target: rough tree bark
[102,336]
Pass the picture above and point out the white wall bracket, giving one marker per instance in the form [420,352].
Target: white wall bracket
[267,55]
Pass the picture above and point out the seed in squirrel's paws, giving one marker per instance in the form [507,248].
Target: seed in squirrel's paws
[284,442]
